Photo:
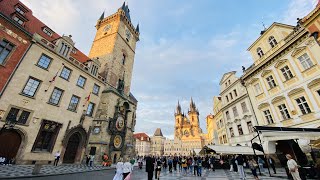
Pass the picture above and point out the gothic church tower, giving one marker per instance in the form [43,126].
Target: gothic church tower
[114,46]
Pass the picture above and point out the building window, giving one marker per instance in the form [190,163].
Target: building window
[257,88]
[235,111]
[47,31]
[244,107]
[305,61]
[227,98]
[44,61]
[5,49]
[96,89]
[65,73]
[90,109]
[284,111]
[231,132]
[18,115]
[240,129]
[303,105]
[229,82]
[227,115]
[47,136]
[64,50]
[226,84]
[73,103]
[260,52]
[286,72]
[81,81]
[231,97]
[271,82]
[272,41]
[250,127]
[18,20]
[235,92]
[268,116]
[55,96]
[123,59]
[19,10]
[31,87]
[318,92]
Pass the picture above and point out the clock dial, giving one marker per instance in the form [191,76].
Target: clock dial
[120,123]
[117,141]
[128,34]
[96,130]
[107,28]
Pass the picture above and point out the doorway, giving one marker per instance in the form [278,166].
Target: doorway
[72,148]
[114,158]
[10,142]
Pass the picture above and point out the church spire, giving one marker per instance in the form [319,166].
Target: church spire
[193,107]
[101,17]
[178,109]
[137,28]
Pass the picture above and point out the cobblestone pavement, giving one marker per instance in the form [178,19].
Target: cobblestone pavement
[165,175]
[26,170]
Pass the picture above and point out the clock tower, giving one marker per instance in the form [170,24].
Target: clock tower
[114,47]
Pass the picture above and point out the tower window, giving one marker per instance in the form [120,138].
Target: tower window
[260,52]
[123,59]
[272,41]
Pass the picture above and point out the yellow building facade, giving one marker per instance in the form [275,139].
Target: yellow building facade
[284,81]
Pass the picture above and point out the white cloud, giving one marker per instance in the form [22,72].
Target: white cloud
[298,9]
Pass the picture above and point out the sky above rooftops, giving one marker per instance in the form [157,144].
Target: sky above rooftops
[185,46]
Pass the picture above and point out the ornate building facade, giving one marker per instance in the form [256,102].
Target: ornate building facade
[187,130]
[59,99]
[157,143]
[143,144]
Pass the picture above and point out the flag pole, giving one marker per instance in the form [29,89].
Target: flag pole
[54,78]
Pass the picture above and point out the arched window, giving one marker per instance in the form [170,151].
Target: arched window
[272,41]
[260,52]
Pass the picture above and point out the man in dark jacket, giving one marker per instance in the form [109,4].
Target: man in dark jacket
[150,166]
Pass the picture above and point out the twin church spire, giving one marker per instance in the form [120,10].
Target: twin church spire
[192,109]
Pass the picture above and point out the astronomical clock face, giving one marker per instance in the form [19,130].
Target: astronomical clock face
[186,133]
[120,123]
[117,141]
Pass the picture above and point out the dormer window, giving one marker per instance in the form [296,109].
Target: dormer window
[272,41]
[47,31]
[260,52]
[64,50]
[20,9]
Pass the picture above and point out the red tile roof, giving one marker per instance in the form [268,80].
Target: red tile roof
[144,136]
[34,25]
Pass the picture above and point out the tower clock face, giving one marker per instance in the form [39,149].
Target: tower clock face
[128,34]
[117,141]
[107,28]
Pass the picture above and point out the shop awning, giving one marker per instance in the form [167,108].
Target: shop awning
[226,149]
[284,133]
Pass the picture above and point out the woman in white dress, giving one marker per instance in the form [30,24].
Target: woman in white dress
[119,171]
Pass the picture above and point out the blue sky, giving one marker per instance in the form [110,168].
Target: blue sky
[185,46]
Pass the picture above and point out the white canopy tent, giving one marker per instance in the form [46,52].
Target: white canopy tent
[226,149]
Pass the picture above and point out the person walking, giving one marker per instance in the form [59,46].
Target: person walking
[179,163]
[150,166]
[175,163]
[190,164]
[127,168]
[212,162]
[195,166]
[199,169]
[87,159]
[240,162]
[91,160]
[56,158]
[164,164]
[272,164]
[293,167]
[119,170]
[170,163]
[158,168]
[261,163]
[253,167]
[184,165]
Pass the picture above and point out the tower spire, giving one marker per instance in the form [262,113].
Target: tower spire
[102,16]
[178,109]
